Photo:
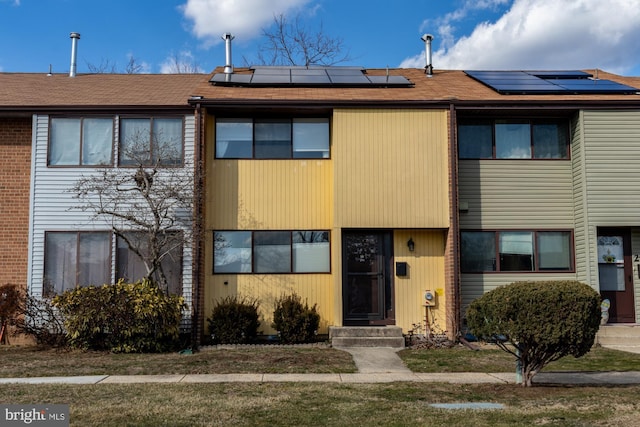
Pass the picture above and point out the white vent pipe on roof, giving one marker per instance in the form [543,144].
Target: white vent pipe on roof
[228,66]
[428,69]
[74,53]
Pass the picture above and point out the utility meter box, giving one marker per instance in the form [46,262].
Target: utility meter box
[429,298]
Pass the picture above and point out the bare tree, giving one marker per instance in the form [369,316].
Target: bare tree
[106,66]
[133,66]
[182,63]
[291,43]
[148,205]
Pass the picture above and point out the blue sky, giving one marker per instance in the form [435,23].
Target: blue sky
[469,34]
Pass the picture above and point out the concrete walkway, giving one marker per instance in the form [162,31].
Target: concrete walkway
[375,365]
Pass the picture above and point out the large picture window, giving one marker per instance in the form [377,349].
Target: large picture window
[522,250]
[271,252]
[76,259]
[83,258]
[130,266]
[298,138]
[513,139]
[151,141]
[80,141]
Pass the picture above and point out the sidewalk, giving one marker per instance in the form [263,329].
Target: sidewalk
[375,365]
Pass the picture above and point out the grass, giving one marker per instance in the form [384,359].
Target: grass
[492,359]
[307,404]
[302,404]
[34,362]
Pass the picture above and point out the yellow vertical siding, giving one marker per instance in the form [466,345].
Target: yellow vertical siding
[269,194]
[425,271]
[292,194]
[391,168]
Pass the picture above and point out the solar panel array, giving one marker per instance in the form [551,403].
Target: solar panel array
[548,82]
[309,76]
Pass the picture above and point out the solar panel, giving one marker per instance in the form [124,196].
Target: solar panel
[310,79]
[567,74]
[548,82]
[316,76]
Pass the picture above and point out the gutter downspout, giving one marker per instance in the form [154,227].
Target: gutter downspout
[455,225]
[198,270]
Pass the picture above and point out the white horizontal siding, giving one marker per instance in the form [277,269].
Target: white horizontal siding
[54,207]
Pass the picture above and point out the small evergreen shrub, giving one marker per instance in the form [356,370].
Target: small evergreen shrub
[294,321]
[234,320]
[122,318]
[538,322]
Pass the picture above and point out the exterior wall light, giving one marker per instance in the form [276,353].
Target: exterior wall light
[411,245]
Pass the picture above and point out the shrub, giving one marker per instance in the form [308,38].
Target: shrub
[234,320]
[295,322]
[11,299]
[40,319]
[123,318]
[538,322]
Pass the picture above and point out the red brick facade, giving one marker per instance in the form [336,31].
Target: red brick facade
[15,167]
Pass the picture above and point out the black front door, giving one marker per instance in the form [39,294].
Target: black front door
[367,286]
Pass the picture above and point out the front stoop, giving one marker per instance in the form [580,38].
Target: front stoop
[619,335]
[366,336]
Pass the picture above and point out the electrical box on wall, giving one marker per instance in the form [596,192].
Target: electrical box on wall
[401,269]
[429,298]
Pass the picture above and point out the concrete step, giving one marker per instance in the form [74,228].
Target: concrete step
[619,335]
[366,336]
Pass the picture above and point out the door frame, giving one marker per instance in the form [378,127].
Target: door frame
[385,274]
[621,299]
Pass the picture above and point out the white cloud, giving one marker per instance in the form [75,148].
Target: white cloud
[180,63]
[242,18]
[544,34]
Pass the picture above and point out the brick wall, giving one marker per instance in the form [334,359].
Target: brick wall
[15,167]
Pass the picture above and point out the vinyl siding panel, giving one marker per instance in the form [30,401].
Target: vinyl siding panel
[504,194]
[582,243]
[53,207]
[612,174]
[312,288]
[426,270]
[513,194]
[475,285]
[612,163]
[391,168]
[269,194]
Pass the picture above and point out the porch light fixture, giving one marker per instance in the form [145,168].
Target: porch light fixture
[411,245]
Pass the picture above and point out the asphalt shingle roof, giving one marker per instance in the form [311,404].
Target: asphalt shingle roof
[30,90]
